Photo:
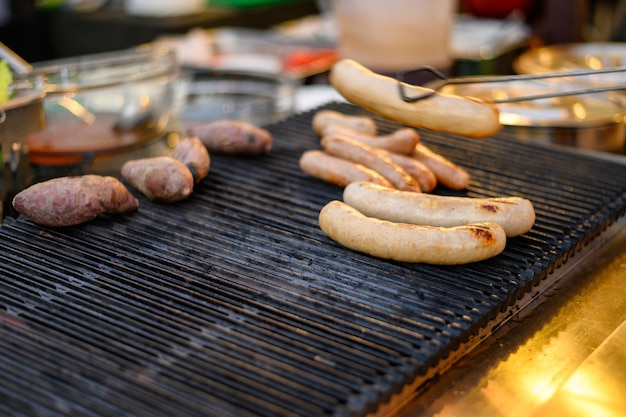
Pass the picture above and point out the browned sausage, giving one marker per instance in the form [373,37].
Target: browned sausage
[401,141]
[352,150]
[320,165]
[460,115]
[447,172]
[422,174]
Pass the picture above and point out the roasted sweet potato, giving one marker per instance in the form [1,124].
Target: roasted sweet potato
[162,178]
[192,152]
[233,137]
[69,201]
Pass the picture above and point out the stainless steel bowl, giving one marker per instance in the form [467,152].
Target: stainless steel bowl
[255,97]
[104,104]
[591,121]
[576,56]
[20,117]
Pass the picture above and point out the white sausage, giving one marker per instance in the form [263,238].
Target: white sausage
[408,242]
[516,215]
[460,115]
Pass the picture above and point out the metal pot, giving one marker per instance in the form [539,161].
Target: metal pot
[590,121]
[20,117]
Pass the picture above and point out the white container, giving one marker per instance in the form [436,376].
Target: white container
[163,8]
[395,35]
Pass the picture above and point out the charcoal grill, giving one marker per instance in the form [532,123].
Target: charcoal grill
[234,303]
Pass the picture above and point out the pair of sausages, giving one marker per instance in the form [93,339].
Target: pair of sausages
[418,227]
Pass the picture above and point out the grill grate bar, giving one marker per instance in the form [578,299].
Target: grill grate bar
[134,389]
[235,303]
[219,380]
[110,304]
[118,318]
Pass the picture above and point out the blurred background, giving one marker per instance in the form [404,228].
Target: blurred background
[46,29]
[262,60]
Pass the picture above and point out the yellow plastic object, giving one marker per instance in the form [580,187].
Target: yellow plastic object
[6,79]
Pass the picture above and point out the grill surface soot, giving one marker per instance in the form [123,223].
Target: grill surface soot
[234,303]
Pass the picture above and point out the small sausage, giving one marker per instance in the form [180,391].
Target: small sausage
[515,215]
[234,137]
[326,118]
[161,178]
[351,150]
[422,174]
[408,242]
[69,201]
[401,141]
[320,165]
[459,115]
[192,152]
[447,172]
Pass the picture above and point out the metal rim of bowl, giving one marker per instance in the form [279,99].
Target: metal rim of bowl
[154,63]
[541,60]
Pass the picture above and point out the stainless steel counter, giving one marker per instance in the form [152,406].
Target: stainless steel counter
[564,354]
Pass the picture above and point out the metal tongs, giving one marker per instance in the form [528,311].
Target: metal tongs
[442,80]
[16,62]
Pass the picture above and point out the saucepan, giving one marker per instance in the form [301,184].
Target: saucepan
[586,121]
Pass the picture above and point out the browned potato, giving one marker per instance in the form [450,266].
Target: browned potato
[192,152]
[69,201]
[233,137]
[162,178]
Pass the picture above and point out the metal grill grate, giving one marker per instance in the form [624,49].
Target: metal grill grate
[234,303]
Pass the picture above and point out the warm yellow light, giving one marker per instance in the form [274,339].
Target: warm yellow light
[579,386]
[499,94]
[542,391]
[580,111]
[593,62]
[512,119]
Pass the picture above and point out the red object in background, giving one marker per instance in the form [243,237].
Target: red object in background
[495,9]
[305,62]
